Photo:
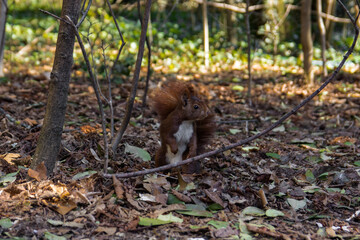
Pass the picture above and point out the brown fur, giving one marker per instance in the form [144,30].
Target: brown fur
[174,103]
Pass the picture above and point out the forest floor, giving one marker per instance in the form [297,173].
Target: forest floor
[301,181]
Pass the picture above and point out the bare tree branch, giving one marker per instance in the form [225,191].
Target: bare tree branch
[132,96]
[148,45]
[121,36]
[97,94]
[84,13]
[261,6]
[247,20]
[324,15]
[232,7]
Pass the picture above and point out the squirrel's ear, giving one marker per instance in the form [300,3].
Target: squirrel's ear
[184,99]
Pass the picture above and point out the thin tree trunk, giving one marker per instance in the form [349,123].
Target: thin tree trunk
[131,99]
[3,15]
[247,16]
[230,23]
[48,145]
[322,36]
[329,25]
[282,27]
[357,12]
[306,40]
[206,33]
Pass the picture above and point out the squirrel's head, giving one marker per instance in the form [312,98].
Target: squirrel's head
[194,108]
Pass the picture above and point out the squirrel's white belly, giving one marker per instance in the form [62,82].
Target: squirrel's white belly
[182,136]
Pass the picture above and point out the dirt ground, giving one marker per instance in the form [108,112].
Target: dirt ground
[301,181]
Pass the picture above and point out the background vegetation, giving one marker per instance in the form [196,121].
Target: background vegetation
[176,33]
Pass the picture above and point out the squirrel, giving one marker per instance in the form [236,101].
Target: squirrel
[186,123]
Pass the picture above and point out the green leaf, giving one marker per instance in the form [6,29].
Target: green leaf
[151,222]
[8,178]
[296,204]
[323,176]
[172,199]
[324,157]
[253,211]
[197,227]
[245,236]
[83,175]
[51,236]
[138,152]
[315,216]
[357,163]
[5,223]
[218,224]
[55,222]
[311,189]
[215,207]
[349,144]
[309,176]
[238,88]
[170,218]
[274,213]
[234,131]
[273,155]
[195,207]
[198,213]
[333,189]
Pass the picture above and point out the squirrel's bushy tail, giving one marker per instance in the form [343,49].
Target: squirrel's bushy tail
[165,99]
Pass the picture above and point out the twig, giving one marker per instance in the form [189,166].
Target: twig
[322,30]
[132,96]
[84,13]
[93,81]
[247,16]
[109,100]
[121,36]
[274,125]
[236,121]
[148,45]
[288,8]
[54,16]
[324,15]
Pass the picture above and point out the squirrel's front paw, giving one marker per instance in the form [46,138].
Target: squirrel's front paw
[174,148]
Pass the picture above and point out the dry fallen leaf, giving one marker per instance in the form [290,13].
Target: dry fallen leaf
[119,189]
[214,196]
[107,230]
[169,208]
[10,157]
[39,173]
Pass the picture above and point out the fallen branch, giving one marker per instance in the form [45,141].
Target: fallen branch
[267,130]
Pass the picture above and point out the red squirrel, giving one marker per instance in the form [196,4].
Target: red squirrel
[186,123]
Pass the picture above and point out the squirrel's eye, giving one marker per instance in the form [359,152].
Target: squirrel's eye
[196,106]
